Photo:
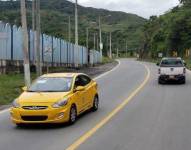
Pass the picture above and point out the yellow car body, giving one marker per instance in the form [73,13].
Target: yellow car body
[37,107]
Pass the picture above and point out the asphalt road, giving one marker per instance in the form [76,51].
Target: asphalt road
[157,118]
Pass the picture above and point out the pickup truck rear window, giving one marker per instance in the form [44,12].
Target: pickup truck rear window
[171,63]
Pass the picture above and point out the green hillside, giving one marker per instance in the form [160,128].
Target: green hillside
[54,18]
[169,32]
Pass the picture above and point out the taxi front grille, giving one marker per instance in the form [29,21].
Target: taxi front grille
[34,118]
[35,107]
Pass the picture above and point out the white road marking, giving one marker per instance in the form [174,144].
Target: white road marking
[4,111]
[106,73]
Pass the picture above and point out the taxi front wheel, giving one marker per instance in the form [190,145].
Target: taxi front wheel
[73,114]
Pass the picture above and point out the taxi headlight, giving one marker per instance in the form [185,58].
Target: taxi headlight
[15,104]
[61,103]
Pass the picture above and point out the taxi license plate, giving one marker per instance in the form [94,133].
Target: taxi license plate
[171,77]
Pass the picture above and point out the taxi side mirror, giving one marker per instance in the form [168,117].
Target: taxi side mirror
[80,88]
[157,64]
[24,88]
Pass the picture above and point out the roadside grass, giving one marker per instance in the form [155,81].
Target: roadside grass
[11,84]
[106,60]
[10,87]
[150,60]
[188,62]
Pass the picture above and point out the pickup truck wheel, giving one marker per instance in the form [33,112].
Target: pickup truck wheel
[160,81]
[184,81]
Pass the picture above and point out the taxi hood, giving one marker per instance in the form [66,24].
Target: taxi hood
[42,97]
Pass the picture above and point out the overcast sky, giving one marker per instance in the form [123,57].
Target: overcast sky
[144,8]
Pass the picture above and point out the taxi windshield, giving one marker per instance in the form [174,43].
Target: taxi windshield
[51,84]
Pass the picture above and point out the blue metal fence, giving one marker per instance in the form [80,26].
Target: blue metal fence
[53,50]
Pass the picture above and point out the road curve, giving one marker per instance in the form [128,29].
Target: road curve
[114,87]
[158,118]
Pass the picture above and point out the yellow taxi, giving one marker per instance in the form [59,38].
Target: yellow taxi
[55,98]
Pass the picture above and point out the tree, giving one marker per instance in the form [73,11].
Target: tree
[185,2]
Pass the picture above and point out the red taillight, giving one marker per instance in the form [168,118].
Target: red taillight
[159,71]
[184,70]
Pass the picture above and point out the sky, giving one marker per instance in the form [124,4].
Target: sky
[144,8]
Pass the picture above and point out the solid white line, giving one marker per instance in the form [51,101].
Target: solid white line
[189,71]
[98,77]
[106,73]
[4,111]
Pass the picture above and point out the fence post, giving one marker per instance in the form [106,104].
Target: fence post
[42,53]
[29,44]
[52,51]
[11,42]
[67,53]
[82,56]
[60,51]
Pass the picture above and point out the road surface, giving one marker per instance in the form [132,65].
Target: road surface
[156,117]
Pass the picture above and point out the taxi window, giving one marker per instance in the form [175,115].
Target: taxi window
[82,80]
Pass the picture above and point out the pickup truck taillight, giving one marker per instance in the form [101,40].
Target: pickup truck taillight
[184,70]
[159,71]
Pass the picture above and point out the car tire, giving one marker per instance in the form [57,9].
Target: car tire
[184,81]
[73,115]
[95,103]
[160,81]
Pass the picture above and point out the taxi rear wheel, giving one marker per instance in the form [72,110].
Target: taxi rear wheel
[95,103]
[73,114]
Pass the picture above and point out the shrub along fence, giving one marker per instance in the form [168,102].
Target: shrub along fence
[54,51]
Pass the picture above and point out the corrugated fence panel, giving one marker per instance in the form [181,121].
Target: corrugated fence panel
[8,41]
[17,43]
[47,48]
[2,40]
[55,50]
[5,41]
[32,45]
[52,49]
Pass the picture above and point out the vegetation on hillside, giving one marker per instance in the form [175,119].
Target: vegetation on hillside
[54,21]
[168,33]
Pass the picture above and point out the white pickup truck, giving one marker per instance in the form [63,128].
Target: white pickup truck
[172,69]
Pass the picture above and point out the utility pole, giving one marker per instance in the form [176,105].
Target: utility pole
[33,24]
[69,29]
[94,41]
[87,38]
[33,15]
[126,48]
[100,38]
[38,63]
[110,50]
[117,52]
[107,45]
[76,32]
[97,41]
[94,48]
[25,44]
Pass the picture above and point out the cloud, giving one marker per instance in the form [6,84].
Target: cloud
[144,8]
